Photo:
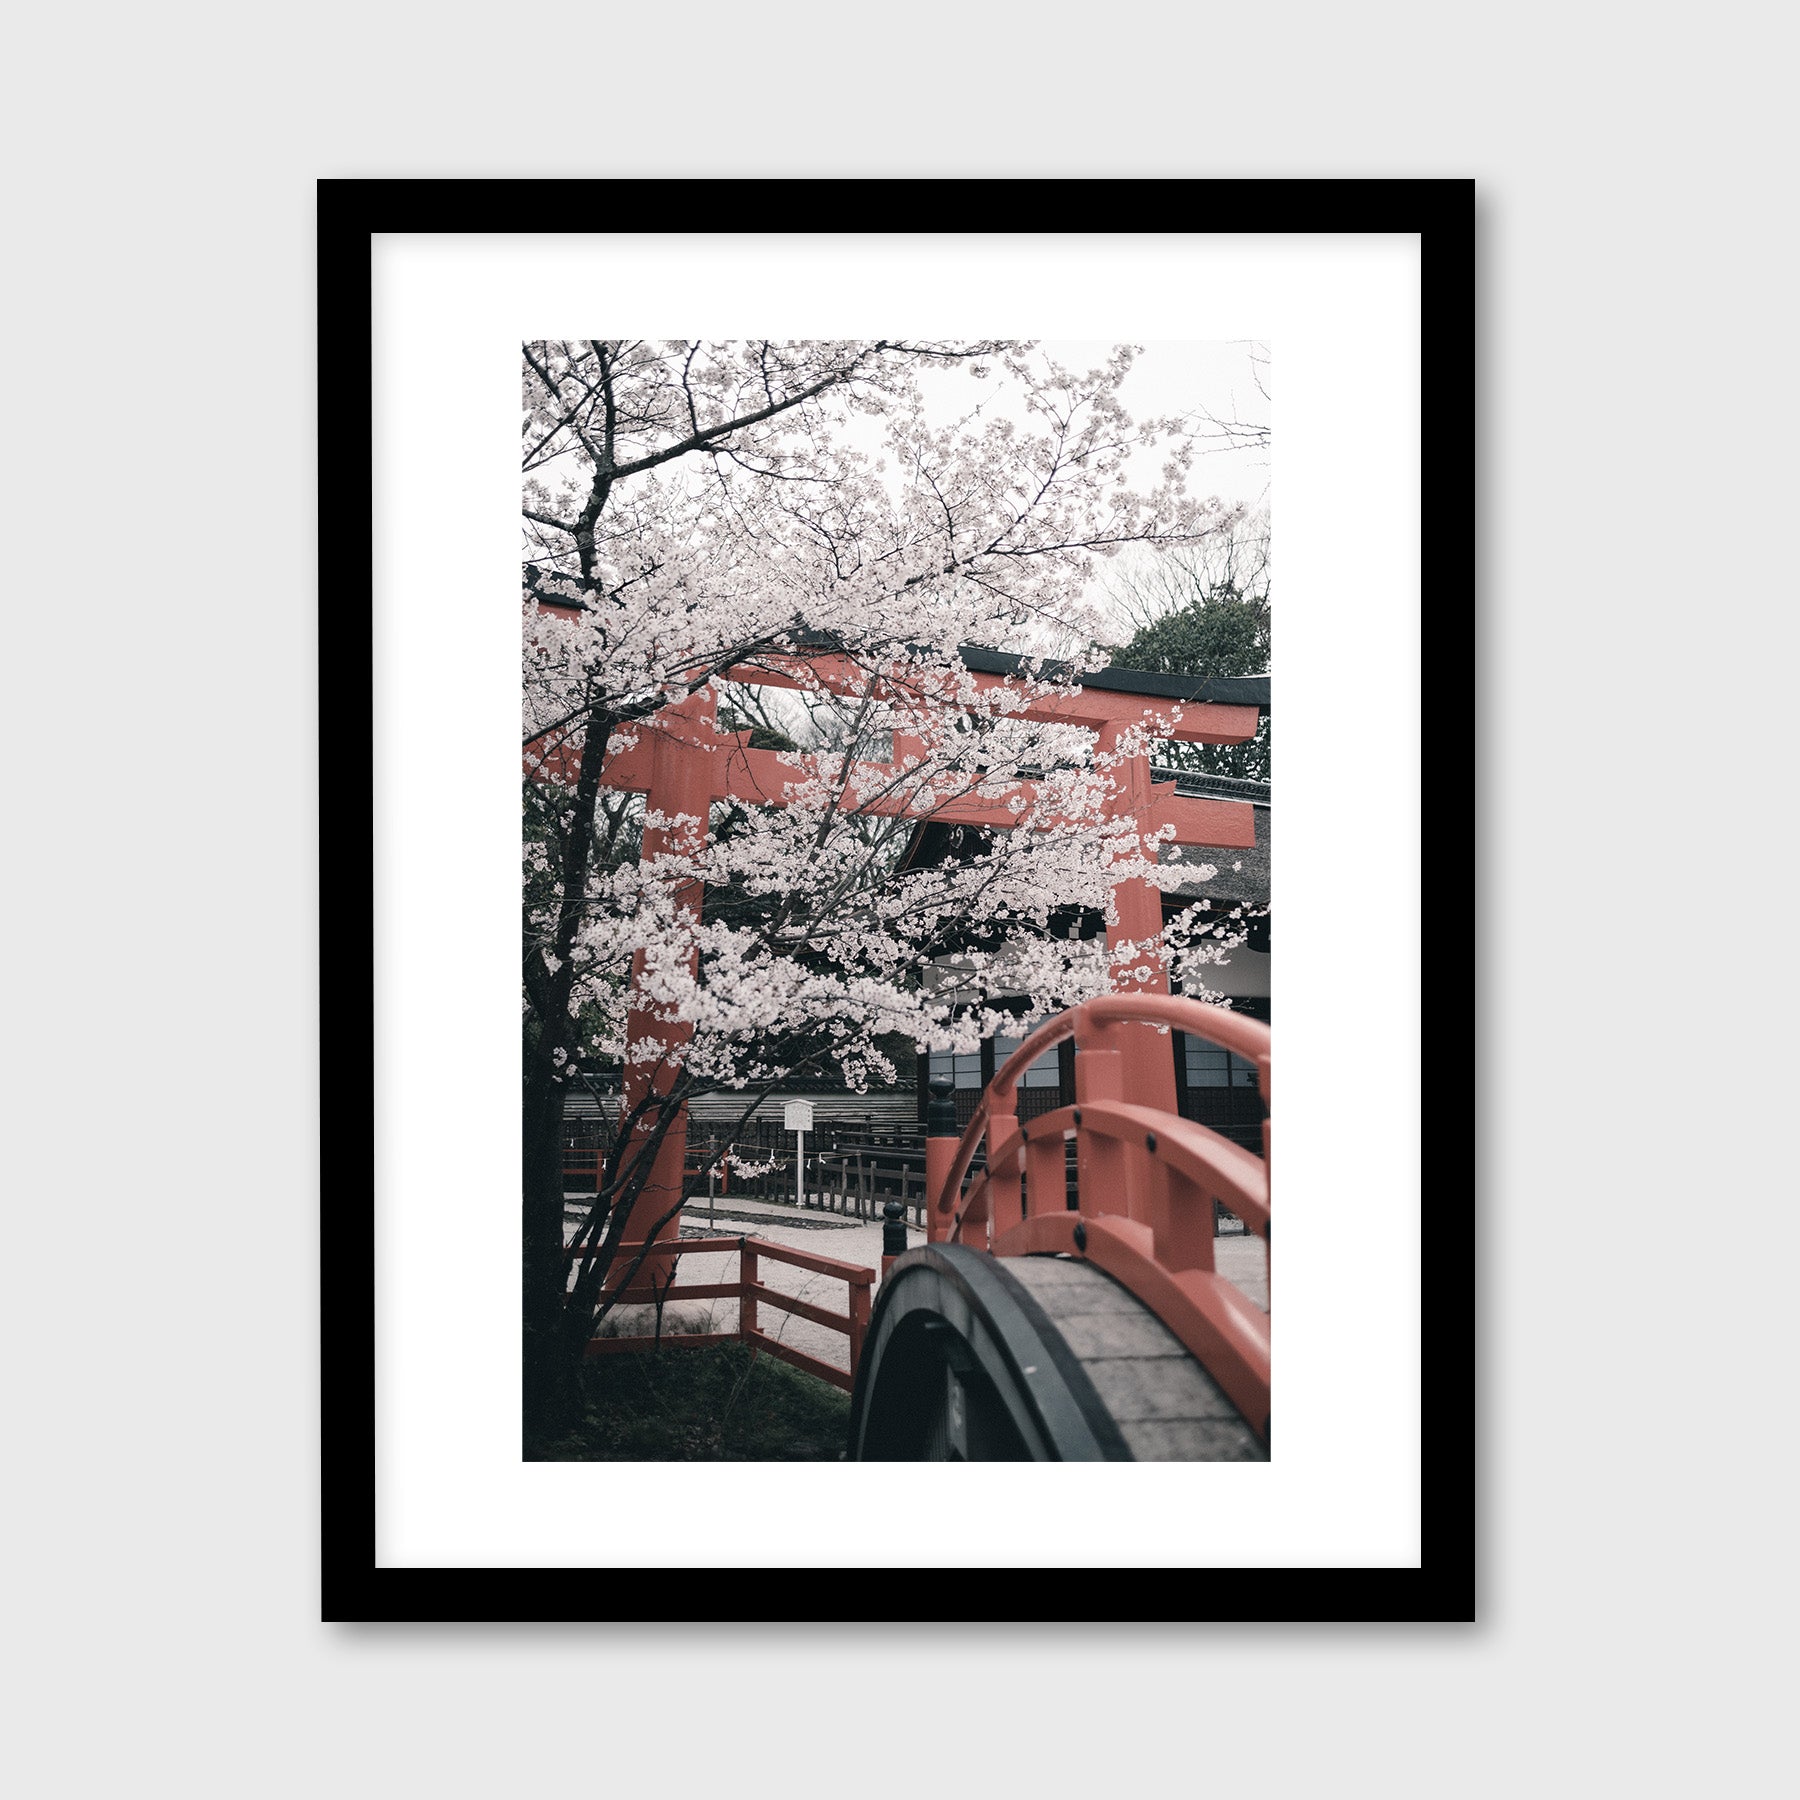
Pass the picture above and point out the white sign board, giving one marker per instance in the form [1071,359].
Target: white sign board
[799,1115]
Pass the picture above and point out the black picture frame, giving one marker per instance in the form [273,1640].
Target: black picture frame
[350,214]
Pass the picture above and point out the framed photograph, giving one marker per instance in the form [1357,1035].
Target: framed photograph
[815,867]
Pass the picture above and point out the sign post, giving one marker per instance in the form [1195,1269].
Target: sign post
[799,1120]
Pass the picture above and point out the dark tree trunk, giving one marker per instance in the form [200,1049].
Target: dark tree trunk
[551,1372]
[552,1399]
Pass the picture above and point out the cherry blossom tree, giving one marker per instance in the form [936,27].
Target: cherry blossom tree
[837,519]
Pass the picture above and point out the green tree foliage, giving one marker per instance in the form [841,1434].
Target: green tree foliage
[1204,611]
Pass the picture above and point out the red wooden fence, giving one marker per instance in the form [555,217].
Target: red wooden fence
[751,1293]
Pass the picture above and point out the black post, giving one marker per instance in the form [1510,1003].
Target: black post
[940,1112]
[893,1234]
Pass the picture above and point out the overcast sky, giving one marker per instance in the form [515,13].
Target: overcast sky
[1187,377]
[1167,377]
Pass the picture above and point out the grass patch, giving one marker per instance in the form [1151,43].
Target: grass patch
[716,1405]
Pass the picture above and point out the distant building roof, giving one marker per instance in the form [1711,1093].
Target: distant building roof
[1241,875]
[1215,787]
[1222,690]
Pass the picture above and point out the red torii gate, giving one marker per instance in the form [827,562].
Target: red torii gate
[682,764]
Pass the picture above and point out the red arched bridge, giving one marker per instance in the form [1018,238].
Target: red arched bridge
[1067,1305]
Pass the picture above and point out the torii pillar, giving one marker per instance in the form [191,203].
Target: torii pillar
[681,783]
[1147,1064]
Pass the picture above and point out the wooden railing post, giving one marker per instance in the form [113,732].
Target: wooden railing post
[1181,1218]
[747,1267]
[1103,1169]
[859,1321]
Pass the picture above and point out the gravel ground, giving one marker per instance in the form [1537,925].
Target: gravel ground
[1244,1262]
[1241,1260]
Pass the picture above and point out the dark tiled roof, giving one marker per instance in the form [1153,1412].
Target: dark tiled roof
[1227,690]
[1249,882]
[1216,787]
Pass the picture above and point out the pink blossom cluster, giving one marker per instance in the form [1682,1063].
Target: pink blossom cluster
[706,526]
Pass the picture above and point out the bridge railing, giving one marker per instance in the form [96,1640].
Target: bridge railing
[1148,1183]
[751,1294]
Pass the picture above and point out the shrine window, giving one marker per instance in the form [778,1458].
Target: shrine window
[1209,1066]
[1044,1073]
[965,1071]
